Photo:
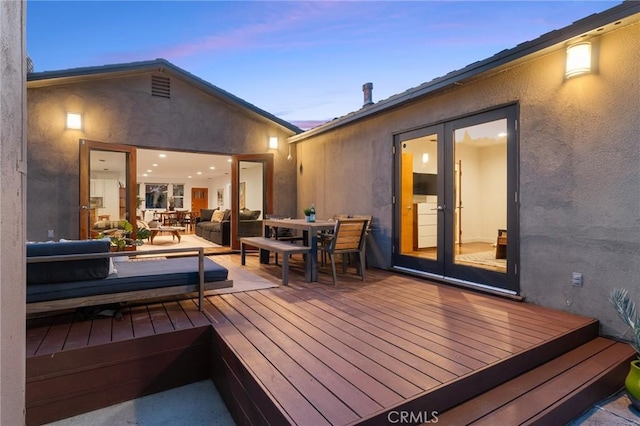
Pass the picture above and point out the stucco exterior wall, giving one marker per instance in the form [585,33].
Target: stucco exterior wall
[12,250]
[579,171]
[122,110]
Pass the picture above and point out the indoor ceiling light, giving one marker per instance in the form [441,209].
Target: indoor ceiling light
[578,59]
[74,121]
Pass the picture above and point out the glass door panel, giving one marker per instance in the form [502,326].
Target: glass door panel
[419,206]
[251,189]
[480,195]
[419,197]
[107,185]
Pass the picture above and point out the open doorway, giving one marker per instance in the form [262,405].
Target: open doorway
[182,181]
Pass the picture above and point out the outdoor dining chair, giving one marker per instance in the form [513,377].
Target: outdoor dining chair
[348,237]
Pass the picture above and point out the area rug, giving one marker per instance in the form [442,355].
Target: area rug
[243,278]
[487,258]
[165,241]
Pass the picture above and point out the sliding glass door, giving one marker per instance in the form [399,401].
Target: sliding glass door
[456,200]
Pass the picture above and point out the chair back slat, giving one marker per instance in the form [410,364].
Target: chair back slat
[349,235]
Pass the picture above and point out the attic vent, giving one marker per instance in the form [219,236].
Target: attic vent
[160,86]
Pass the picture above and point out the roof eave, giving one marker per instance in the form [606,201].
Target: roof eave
[47,78]
[548,40]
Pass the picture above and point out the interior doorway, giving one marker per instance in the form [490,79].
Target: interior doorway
[456,200]
[199,199]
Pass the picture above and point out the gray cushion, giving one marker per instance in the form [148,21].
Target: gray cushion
[205,214]
[133,276]
[71,270]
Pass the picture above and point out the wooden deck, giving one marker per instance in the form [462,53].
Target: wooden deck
[307,354]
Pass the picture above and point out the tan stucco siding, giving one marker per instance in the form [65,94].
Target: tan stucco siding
[579,170]
[122,110]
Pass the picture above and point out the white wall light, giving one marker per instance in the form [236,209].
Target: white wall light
[273,142]
[578,59]
[425,157]
[74,121]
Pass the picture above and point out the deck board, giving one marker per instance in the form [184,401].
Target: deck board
[312,353]
[307,357]
[351,351]
[123,330]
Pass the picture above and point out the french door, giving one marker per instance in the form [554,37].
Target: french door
[456,201]
[107,184]
[251,188]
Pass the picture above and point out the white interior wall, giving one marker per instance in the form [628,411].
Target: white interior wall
[253,178]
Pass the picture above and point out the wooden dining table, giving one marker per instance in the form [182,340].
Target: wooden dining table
[309,237]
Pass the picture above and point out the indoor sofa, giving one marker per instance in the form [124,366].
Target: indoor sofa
[83,274]
[215,225]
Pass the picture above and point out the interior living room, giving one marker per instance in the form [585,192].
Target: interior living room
[174,189]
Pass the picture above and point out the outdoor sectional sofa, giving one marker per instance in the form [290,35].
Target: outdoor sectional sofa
[63,275]
[216,227]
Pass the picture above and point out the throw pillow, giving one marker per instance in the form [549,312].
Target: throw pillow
[227,215]
[245,214]
[218,215]
[255,214]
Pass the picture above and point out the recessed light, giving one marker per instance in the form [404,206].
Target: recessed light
[162,155]
[149,171]
[155,164]
[144,174]
[502,134]
[229,160]
[189,177]
[212,168]
[199,173]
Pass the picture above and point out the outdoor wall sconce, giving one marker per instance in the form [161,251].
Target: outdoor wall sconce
[289,157]
[273,142]
[74,121]
[578,59]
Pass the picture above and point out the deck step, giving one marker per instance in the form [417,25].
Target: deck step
[553,393]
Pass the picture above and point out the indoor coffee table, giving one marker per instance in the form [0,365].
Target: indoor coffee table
[173,230]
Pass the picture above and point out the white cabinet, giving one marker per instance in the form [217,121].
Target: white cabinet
[96,188]
[428,223]
[106,190]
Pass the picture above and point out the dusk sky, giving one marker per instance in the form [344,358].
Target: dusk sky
[304,62]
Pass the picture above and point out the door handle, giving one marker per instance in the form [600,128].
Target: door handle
[439,208]
[84,207]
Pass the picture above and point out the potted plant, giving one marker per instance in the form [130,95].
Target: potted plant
[124,240]
[310,213]
[626,309]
